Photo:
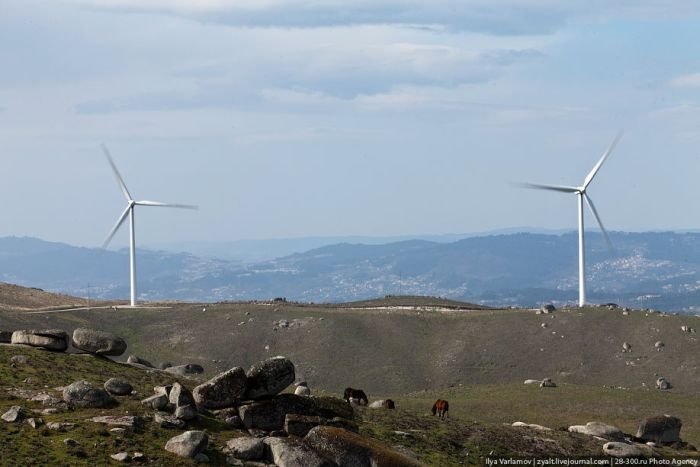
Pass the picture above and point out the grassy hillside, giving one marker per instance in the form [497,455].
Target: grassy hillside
[478,424]
[401,351]
[15,297]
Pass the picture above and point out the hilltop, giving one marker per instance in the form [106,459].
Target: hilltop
[15,297]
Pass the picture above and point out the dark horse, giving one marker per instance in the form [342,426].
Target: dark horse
[358,394]
[440,407]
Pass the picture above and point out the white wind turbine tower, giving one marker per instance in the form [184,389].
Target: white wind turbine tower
[582,195]
[129,211]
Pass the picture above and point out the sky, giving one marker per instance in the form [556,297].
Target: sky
[292,118]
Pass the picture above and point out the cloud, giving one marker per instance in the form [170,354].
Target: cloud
[504,17]
[686,81]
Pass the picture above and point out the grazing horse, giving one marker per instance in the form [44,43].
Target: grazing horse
[440,407]
[358,394]
[388,404]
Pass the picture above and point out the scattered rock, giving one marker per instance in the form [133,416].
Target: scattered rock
[135,360]
[15,414]
[34,422]
[117,431]
[300,425]
[180,396]
[138,457]
[532,381]
[663,429]
[302,389]
[224,390]
[548,383]
[83,394]
[70,442]
[121,457]
[347,448]
[659,346]
[127,421]
[156,402]
[167,421]
[269,378]
[186,412]
[49,339]
[60,426]
[287,452]
[19,359]
[118,387]
[600,430]
[246,448]
[626,347]
[184,370]
[617,449]
[663,384]
[98,342]
[188,444]
[531,426]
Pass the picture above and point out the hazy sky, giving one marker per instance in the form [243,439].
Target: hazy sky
[285,118]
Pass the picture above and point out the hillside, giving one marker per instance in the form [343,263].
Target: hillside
[645,270]
[479,424]
[405,350]
[14,297]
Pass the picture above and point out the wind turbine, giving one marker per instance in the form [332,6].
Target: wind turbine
[129,211]
[581,196]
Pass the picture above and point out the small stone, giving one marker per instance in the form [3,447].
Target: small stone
[121,457]
[70,442]
[15,414]
[34,422]
[20,359]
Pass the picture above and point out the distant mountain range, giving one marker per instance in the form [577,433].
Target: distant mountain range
[658,270]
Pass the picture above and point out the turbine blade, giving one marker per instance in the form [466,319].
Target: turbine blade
[122,185]
[537,186]
[166,205]
[589,201]
[589,177]
[118,224]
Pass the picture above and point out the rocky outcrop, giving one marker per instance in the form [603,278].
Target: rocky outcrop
[98,342]
[118,387]
[663,429]
[286,452]
[224,390]
[347,448]
[49,339]
[269,415]
[269,378]
[621,450]
[188,444]
[246,448]
[83,394]
[181,398]
[600,430]
[185,370]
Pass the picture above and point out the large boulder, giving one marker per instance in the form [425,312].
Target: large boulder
[185,370]
[663,429]
[621,450]
[180,396]
[269,378]
[223,390]
[300,425]
[246,448]
[49,339]
[600,430]
[98,342]
[84,394]
[287,452]
[156,402]
[269,415]
[347,448]
[188,444]
[118,387]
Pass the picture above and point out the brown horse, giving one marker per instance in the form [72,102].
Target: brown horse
[440,407]
[358,394]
